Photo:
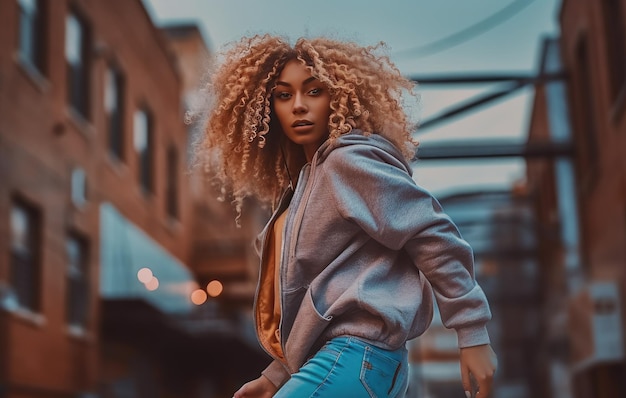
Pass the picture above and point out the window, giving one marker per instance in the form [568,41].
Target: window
[25,265]
[113,106]
[172,182]
[77,281]
[79,187]
[142,137]
[586,141]
[614,36]
[76,55]
[31,34]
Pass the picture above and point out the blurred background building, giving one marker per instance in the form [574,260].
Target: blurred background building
[500,227]
[109,242]
[122,275]
[580,201]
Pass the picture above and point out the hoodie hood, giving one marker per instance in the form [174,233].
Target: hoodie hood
[359,137]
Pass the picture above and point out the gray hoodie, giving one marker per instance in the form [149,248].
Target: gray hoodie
[364,249]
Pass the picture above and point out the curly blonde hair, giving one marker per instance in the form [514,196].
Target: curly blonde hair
[243,145]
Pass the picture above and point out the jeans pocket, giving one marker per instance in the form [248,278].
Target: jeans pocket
[378,373]
[329,352]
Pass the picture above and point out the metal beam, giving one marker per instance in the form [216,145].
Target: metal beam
[481,78]
[467,106]
[488,149]
[517,81]
[491,149]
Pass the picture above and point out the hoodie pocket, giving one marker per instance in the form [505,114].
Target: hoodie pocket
[308,325]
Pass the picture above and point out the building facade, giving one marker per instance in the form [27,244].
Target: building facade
[97,213]
[221,249]
[581,201]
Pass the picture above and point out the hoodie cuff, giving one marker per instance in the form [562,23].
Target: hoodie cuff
[276,373]
[472,336]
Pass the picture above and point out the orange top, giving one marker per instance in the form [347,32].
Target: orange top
[268,301]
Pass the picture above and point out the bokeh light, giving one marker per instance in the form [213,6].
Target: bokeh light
[144,275]
[152,284]
[214,288]
[198,297]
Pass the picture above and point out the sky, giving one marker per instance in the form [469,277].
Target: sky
[423,38]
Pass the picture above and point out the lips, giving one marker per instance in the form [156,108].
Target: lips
[301,123]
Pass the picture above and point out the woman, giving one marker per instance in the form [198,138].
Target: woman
[354,250]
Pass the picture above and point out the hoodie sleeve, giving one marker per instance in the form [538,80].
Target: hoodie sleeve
[276,373]
[375,190]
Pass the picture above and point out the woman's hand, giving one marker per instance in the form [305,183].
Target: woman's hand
[257,388]
[478,363]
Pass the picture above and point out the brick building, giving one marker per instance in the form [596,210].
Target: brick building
[581,201]
[219,249]
[93,188]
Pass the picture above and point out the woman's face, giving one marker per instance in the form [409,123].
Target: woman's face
[302,106]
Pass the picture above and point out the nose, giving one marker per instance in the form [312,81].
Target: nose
[299,106]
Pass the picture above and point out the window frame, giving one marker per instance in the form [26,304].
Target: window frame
[586,137]
[145,153]
[33,54]
[615,46]
[26,284]
[78,75]
[78,289]
[115,116]
[78,186]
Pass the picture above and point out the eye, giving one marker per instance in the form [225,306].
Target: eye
[282,95]
[315,91]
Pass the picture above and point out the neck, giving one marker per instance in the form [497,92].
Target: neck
[309,152]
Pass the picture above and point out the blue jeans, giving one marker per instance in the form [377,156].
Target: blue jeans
[349,367]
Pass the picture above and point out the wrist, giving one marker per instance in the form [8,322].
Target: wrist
[268,384]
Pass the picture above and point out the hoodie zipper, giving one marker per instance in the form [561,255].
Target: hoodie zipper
[270,224]
[298,195]
[299,199]
[301,203]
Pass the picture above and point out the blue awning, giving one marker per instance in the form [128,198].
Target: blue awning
[124,250]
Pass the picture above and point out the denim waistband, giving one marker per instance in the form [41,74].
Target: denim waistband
[398,354]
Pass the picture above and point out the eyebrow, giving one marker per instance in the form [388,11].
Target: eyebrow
[304,83]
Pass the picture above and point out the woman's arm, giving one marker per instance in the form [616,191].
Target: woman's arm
[376,191]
